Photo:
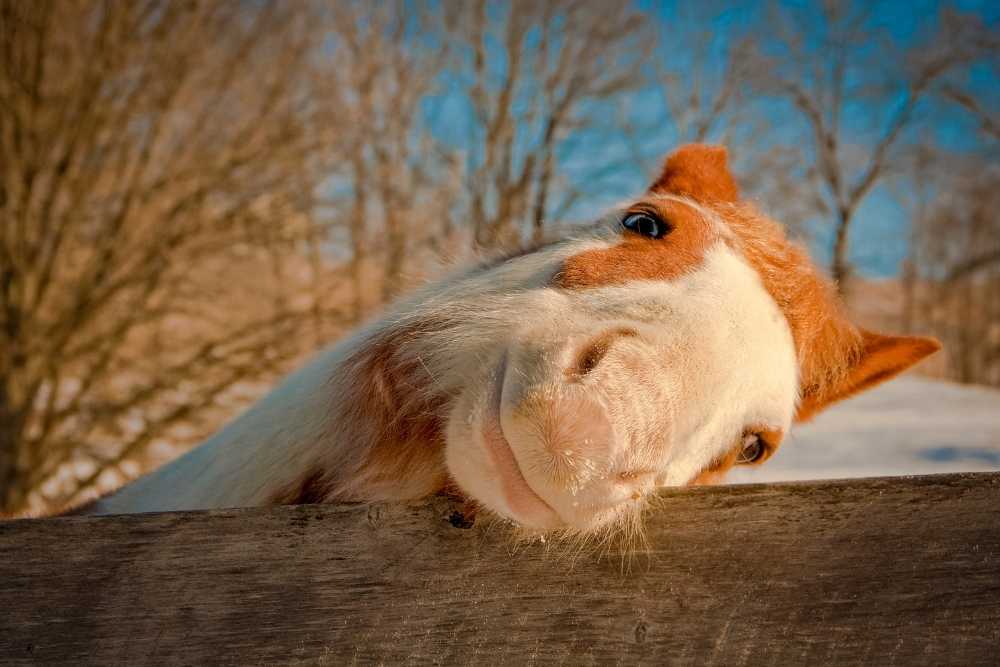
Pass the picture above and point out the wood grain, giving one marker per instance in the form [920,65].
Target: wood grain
[877,571]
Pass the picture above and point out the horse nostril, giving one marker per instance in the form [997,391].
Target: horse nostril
[590,354]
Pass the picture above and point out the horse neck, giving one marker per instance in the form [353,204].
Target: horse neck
[348,426]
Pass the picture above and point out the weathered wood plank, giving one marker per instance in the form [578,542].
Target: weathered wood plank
[877,571]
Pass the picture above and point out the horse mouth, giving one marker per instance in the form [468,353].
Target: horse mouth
[523,501]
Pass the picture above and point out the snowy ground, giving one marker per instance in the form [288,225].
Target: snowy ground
[909,426]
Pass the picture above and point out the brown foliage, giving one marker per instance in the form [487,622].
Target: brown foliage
[149,151]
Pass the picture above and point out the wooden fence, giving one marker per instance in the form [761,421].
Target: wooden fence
[875,571]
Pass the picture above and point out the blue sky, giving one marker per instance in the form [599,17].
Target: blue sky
[881,229]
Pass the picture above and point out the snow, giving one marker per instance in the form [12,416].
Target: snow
[909,426]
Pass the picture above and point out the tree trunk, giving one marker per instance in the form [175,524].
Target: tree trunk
[840,265]
[909,314]
[395,255]
[963,302]
[358,241]
[541,201]
[10,428]
[993,329]
[395,239]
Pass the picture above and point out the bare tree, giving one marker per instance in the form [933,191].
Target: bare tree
[956,259]
[700,70]
[838,75]
[540,75]
[988,118]
[155,157]
[407,77]
[386,61]
[703,66]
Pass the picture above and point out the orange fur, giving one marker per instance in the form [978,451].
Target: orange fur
[881,358]
[408,422]
[640,258]
[314,486]
[700,172]
[715,472]
[836,358]
[400,427]
[827,343]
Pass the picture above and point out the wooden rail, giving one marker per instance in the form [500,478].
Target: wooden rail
[875,571]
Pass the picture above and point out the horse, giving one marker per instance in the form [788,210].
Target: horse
[678,335]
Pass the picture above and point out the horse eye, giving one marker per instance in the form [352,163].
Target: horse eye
[752,450]
[646,224]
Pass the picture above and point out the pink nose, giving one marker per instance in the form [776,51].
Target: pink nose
[576,430]
[559,419]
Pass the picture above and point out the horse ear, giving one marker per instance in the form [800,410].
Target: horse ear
[698,171]
[882,357]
